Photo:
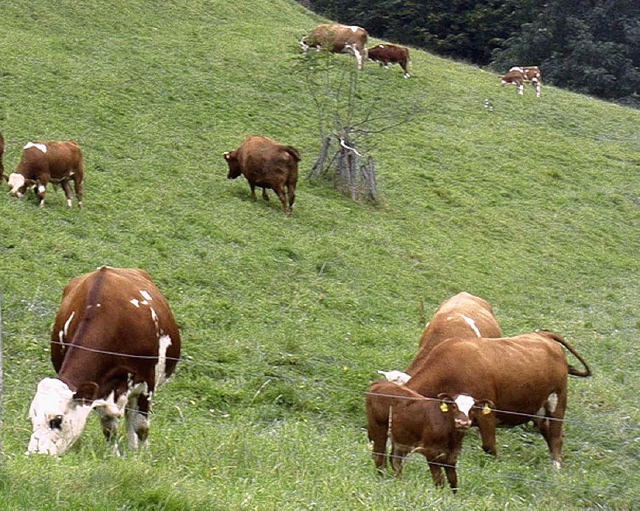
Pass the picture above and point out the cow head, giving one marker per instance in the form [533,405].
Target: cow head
[18,184]
[473,410]
[450,405]
[234,165]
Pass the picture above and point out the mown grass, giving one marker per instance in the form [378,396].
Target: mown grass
[533,205]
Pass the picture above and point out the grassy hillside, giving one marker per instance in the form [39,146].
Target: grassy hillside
[534,205]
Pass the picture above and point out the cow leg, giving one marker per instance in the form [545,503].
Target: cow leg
[109,425]
[253,191]
[67,191]
[487,427]
[265,195]
[358,56]
[137,421]
[550,426]
[283,199]
[436,473]
[40,189]
[378,435]
[520,89]
[452,476]
[291,192]
[397,460]
[77,184]
[536,87]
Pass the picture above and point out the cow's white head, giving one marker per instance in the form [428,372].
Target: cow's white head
[17,184]
[58,416]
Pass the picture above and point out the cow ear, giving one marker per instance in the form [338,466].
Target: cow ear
[486,406]
[86,392]
[447,403]
[226,155]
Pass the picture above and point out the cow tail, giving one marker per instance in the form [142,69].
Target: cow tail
[293,152]
[572,370]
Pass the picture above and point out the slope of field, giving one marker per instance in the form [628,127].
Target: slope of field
[533,204]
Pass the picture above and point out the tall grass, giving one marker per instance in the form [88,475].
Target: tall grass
[533,205]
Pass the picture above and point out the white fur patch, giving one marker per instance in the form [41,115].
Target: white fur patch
[161,366]
[15,182]
[354,29]
[41,147]
[397,377]
[552,402]
[68,322]
[464,403]
[135,302]
[472,324]
[145,295]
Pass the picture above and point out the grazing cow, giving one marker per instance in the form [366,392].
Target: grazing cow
[266,164]
[532,75]
[432,427]
[524,376]
[114,341]
[515,78]
[1,154]
[338,39]
[462,315]
[386,54]
[42,162]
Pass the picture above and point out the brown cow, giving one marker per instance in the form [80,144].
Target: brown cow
[1,154]
[462,315]
[432,427]
[266,164]
[114,341]
[532,75]
[338,39]
[43,162]
[524,376]
[386,54]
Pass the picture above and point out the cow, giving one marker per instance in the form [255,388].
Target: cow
[44,162]
[462,315]
[413,423]
[386,54]
[515,78]
[525,377]
[1,154]
[267,164]
[532,75]
[337,38]
[114,341]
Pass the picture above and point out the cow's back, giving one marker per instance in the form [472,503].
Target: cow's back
[114,310]
[259,155]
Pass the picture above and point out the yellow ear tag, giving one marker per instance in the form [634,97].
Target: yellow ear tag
[486,410]
[444,407]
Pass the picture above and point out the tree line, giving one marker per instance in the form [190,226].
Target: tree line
[587,46]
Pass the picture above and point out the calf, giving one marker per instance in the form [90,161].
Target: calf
[114,341]
[432,427]
[524,376]
[267,164]
[338,39]
[386,54]
[532,75]
[44,162]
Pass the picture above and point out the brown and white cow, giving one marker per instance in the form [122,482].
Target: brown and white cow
[525,377]
[413,423]
[462,315]
[44,162]
[114,341]
[267,164]
[386,54]
[515,78]
[1,154]
[337,38]
[532,75]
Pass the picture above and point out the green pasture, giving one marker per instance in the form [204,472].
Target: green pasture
[533,204]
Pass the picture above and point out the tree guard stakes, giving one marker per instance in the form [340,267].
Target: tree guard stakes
[352,173]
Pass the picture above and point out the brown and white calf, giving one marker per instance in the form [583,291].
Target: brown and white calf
[515,78]
[266,164]
[386,54]
[525,377]
[44,162]
[337,38]
[532,75]
[413,423]
[114,341]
